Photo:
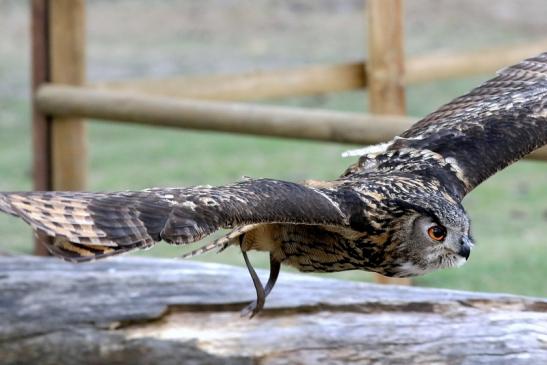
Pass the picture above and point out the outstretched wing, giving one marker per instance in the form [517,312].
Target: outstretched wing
[490,127]
[93,225]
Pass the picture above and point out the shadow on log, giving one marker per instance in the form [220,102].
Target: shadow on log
[152,311]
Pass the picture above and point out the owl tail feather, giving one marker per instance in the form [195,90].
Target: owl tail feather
[221,243]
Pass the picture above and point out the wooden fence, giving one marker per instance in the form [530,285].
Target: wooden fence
[62,97]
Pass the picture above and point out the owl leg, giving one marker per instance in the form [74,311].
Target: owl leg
[256,306]
[275,266]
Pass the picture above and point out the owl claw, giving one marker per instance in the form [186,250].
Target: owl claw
[251,310]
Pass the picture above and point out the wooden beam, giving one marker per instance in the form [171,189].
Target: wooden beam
[385,69]
[41,127]
[67,66]
[251,86]
[254,119]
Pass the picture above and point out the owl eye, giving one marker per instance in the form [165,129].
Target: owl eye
[437,233]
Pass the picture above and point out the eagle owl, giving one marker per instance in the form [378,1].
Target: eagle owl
[397,211]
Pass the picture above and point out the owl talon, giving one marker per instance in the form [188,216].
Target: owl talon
[251,310]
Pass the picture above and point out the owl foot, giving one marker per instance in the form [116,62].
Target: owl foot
[256,306]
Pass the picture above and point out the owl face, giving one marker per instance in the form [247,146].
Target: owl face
[431,237]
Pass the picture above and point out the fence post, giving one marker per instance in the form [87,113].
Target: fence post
[67,62]
[58,56]
[41,124]
[385,68]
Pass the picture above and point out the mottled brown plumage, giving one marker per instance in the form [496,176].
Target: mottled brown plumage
[397,211]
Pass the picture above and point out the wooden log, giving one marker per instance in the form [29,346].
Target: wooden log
[317,125]
[67,66]
[144,311]
[385,69]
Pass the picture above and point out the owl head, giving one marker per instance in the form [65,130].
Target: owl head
[431,233]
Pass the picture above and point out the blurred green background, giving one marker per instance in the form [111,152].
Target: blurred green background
[134,39]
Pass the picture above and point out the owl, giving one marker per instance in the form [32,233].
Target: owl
[397,211]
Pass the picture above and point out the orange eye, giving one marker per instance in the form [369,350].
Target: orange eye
[437,233]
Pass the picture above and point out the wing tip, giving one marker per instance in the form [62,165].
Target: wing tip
[6,206]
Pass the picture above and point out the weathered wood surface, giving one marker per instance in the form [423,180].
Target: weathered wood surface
[145,311]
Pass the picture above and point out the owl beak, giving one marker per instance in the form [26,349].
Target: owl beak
[465,248]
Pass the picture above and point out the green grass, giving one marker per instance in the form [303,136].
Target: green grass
[509,211]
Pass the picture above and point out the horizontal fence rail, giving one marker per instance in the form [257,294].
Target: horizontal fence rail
[243,118]
[318,79]
[262,120]
[442,66]
[259,85]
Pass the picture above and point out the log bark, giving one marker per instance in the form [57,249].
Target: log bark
[145,311]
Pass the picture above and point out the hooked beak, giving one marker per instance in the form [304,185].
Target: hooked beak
[465,248]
